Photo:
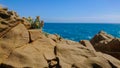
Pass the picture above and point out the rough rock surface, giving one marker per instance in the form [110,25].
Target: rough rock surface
[106,43]
[35,34]
[23,48]
[100,37]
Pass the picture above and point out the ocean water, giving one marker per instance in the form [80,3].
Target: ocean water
[81,31]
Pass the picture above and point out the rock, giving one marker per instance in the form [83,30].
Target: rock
[71,56]
[4,15]
[54,37]
[115,63]
[100,37]
[9,19]
[5,50]
[6,20]
[87,44]
[36,34]
[16,37]
[114,45]
[26,57]
[3,27]
[69,42]
[26,23]
[46,47]
[34,55]
[106,43]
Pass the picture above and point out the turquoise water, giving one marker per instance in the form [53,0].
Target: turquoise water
[81,31]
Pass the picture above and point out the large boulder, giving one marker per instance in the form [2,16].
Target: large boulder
[87,44]
[36,34]
[34,55]
[100,37]
[16,37]
[106,43]
[79,57]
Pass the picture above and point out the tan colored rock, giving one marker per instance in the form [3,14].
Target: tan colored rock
[45,46]
[114,54]
[26,56]
[115,63]
[71,56]
[100,37]
[69,42]
[3,27]
[16,37]
[106,43]
[36,34]
[87,44]
[7,20]
[26,23]
[5,50]
[54,37]
[34,55]
[4,14]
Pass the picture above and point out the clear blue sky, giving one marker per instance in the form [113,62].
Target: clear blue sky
[104,11]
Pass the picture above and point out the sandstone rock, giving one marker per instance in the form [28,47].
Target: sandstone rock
[54,37]
[115,63]
[5,50]
[71,56]
[106,43]
[69,42]
[87,44]
[3,27]
[114,45]
[7,20]
[36,34]
[16,37]
[4,15]
[26,57]
[26,23]
[46,47]
[34,55]
[100,37]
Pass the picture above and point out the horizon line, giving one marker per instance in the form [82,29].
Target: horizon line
[87,22]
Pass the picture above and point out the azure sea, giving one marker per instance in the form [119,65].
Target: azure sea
[81,31]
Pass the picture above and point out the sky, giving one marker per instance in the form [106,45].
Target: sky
[81,11]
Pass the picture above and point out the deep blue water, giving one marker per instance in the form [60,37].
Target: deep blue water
[81,31]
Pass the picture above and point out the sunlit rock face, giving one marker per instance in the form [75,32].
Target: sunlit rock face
[106,43]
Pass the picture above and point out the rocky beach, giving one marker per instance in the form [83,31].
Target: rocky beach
[22,47]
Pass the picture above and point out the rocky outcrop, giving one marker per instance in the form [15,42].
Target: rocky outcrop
[101,37]
[35,34]
[21,47]
[54,37]
[106,43]
[14,38]
[26,23]
[78,57]
[87,44]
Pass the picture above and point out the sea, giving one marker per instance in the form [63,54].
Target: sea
[81,31]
